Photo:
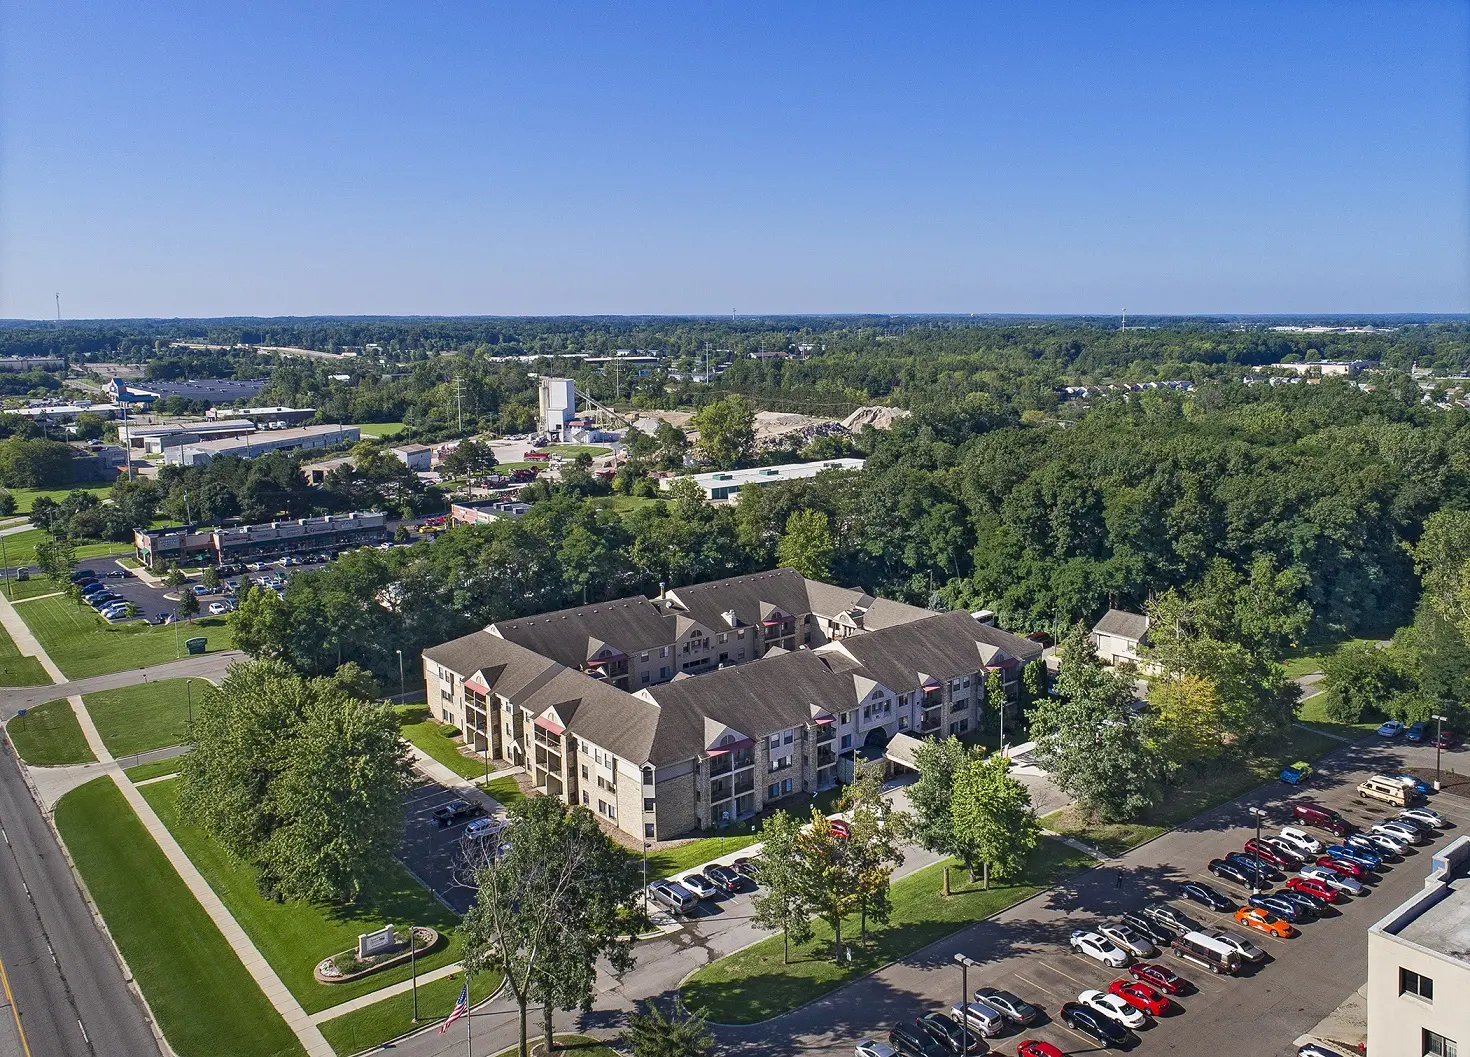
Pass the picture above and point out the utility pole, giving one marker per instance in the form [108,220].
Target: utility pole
[459,403]
[58,308]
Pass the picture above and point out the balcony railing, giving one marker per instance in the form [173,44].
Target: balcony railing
[719,791]
[744,784]
[930,723]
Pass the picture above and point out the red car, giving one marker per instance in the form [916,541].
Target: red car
[1266,853]
[1140,995]
[839,828]
[1156,975]
[1313,887]
[1036,1048]
[1343,866]
[1446,740]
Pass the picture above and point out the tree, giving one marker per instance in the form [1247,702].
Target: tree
[175,577]
[1089,739]
[469,457]
[260,625]
[994,824]
[7,503]
[210,577]
[932,795]
[297,778]
[1357,678]
[1033,680]
[873,850]
[806,545]
[726,431]
[57,558]
[35,463]
[781,902]
[1442,560]
[1186,714]
[680,1033]
[828,877]
[558,898]
[672,445]
[188,604]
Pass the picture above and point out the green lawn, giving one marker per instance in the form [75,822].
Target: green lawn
[20,548]
[1110,838]
[571,451]
[1307,658]
[504,789]
[25,498]
[82,643]
[753,985]
[20,590]
[141,717]
[49,735]
[380,429]
[205,1001]
[157,769]
[1314,715]
[697,851]
[438,740]
[625,504]
[375,1024]
[294,936]
[16,669]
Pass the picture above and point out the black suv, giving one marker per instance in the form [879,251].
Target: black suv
[1156,934]
[943,1029]
[907,1037]
[456,811]
[1204,894]
[1095,1026]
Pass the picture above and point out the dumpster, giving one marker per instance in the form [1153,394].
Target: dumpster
[196,645]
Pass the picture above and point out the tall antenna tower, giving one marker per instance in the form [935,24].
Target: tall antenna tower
[58,308]
[1125,320]
[459,403]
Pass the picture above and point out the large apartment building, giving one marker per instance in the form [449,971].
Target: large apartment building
[702,706]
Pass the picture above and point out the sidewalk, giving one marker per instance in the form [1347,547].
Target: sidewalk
[25,642]
[451,780]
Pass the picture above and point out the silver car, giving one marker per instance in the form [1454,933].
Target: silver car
[1247,950]
[1135,944]
[1332,879]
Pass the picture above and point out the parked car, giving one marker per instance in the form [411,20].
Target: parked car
[1247,950]
[1392,729]
[1342,866]
[1140,996]
[1297,773]
[839,827]
[1332,878]
[1014,1009]
[1095,947]
[1230,871]
[1261,850]
[200,590]
[673,896]
[1256,918]
[1300,841]
[1319,817]
[1414,782]
[1314,887]
[1406,819]
[1166,980]
[1399,831]
[1447,739]
[481,828]
[456,811]
[1380,844]
[90,587]
[1428,816]
[1256,868]
[1352,853]
[1135,944]
[1103,1030]
[1280,906]
[873,1048]
[701,887]
[1312,905]
[1415,732]
[1205,895]
[1285,850]
[747,868]
[82,574]
[1170,917]
[1149,930]
[946,1031]
[725,879]
[117,574]
[101,601]
[1115,1008]
[979,1019]
[1037,1048]
[907,1037]
[1316,1049]
[218,609]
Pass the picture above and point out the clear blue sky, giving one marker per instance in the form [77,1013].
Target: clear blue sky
[482,157]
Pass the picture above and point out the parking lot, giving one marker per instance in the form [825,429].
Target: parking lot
[431,852]
[1024,950]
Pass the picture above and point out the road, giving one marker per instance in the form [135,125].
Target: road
[65,981]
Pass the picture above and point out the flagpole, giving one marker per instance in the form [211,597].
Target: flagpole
[468,1045]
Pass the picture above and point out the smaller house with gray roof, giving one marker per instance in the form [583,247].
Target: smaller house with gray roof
[1118,634]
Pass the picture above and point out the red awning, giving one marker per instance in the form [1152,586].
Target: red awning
[822,721]
[774,623]
[475,684]
[546,724]
[932,684]
[744,743]
[598,664]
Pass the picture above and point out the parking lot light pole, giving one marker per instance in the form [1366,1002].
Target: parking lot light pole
[1438,741]
[1257,814]
[965,965]
[414,968]
[189,700]
[402,693]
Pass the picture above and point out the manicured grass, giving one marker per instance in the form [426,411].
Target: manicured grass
[753,985]
[380,429]
[141,717]
[571,451]
[1314,714]
[205,1001]
[438,740]
[16,669]
[504,789]
[20,548]
[1110,838]
[697,851]
[157,769]
[25,498]
[49,736]
[82,643]
[626,504]
[294,936]
[1307,658]
[20,590]
[375,1024]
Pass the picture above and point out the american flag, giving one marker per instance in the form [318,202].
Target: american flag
[461,1007]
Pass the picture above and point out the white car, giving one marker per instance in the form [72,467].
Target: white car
[874,1048]
[1427,816]
[1398,831]
[1114,1008]
[1239,944]
[1301,840]
[1332,879]
[697,884]
[1130,941]
[1384,842]
[1098,949]
[218,609]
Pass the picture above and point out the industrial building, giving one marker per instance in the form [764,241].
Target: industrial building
[155,439]
[723,484]
[275,539]
[251,445]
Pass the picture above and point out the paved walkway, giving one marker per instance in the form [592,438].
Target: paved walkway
[450,779]
[26,643]
[373,997]
[210,666]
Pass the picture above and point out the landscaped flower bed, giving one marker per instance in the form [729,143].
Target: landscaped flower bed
[345,966]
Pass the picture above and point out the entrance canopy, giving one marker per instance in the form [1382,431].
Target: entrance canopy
[900,750]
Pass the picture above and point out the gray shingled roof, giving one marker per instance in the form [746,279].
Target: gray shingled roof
[941,646]
[886,613]
[630,624]
[707,603]
[1122,624]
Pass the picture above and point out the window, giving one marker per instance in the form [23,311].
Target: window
[773,791]
[648,776]
[597,755]
[1439,1046]
[786,786]
[845,718]
[643,656]
[787,739]
[665,672]
[584,798]
[584,772]
[721,638]
[903,722]
[648,830]
[965,681]
[643,678]
[663,651]
[780,763]
[775,741]
[847,741]
[648,803]
[1411,983]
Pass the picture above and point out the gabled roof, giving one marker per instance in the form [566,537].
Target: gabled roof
[886,613]
[750,597]
[630,624]
[940,647]
[509,670]
[1122,624]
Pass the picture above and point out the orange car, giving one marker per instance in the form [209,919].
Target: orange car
[1256,918]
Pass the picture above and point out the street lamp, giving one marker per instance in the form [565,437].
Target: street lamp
[1439,722]
[189,699]
[1257,814]
[645,880]
[401,692]
[966,964]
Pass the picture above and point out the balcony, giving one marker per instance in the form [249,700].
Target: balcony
[826,734]
[826,758]
[930,724]
[719,791]
[744,784]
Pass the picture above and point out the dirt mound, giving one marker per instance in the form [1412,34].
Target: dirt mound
[874,415]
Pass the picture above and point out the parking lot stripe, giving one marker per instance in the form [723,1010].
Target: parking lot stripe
[1038,986]
[1069,976]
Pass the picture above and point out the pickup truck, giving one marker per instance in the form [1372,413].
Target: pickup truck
[456,811]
